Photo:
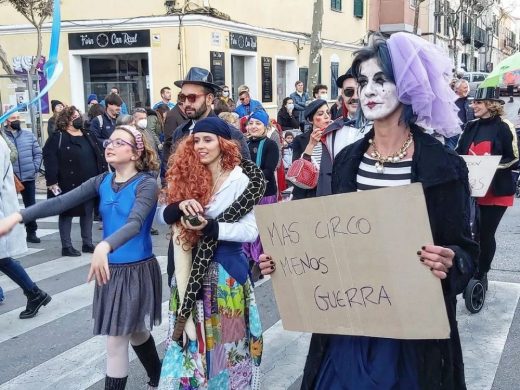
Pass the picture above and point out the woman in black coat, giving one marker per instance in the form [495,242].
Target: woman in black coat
[286,117]
[490,135]
[397,152]
[72,156]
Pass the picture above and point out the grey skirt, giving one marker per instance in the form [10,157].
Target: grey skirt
[131,301]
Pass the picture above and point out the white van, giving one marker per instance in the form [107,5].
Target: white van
[474,79]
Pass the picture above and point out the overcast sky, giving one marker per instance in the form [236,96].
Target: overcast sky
[514,6]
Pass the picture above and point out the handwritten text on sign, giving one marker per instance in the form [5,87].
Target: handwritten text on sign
[347,264]
[481,172]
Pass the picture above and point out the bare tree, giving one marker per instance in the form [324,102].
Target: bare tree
[5,61]
[36,12]
[315,54]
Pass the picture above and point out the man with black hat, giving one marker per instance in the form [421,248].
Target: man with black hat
[340,133]
[343,131]
[197,94]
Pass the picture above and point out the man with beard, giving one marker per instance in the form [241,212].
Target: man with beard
[198,92]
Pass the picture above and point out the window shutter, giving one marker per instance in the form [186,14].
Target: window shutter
[358,8]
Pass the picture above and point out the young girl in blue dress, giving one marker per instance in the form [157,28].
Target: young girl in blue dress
[127,296]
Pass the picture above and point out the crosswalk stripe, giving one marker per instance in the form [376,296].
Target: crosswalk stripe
[62,304]
[48,269]
[77,368]
[30,251]
[283,358]
[84,365]
[46,232]
[483,335]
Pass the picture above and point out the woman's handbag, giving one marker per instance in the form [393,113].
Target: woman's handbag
[18,184]
[303,173]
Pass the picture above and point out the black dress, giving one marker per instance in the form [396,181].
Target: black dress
[268,161]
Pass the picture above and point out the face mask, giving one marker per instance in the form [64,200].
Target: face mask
[142,123]
[225,93]
[15,125]
[324,96]
[77,123]
[290,107]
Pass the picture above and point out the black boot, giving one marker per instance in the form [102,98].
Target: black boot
[35,299]
[149,358]
[115,383]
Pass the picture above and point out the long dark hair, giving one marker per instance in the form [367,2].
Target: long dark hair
[378,49]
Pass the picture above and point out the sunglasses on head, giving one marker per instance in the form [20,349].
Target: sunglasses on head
[192,97]
[349,92]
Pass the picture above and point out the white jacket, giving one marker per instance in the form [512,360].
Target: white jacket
[14,243]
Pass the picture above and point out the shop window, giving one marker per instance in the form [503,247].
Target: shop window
[358,8]
[127,72]
[335,5]
[334,69]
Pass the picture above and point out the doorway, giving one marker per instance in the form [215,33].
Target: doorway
[127,72]
[237,74]
[243,71]
[286,76]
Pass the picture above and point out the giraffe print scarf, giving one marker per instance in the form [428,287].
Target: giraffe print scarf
[206,246]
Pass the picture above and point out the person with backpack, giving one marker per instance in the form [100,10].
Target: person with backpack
[103,125]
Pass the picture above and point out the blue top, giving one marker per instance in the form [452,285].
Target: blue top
[115,208]
[159,104]
[229,254]
[243,110]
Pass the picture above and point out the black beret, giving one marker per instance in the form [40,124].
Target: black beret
[313,106]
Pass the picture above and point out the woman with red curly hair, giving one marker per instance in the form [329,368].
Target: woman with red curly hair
[222,337]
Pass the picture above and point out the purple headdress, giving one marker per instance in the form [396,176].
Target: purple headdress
[422,73]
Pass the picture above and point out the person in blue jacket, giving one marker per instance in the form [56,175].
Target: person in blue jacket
[26,166]
[247,105]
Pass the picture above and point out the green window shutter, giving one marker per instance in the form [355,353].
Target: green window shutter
[358,8]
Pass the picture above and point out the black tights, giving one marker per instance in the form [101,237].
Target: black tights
[490,217]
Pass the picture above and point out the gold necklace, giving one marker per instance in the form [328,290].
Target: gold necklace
[391,158]
[216,181]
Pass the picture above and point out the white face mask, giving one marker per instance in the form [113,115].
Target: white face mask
[377,95]
[290,106]
[225,93]
[324,96]
[142,123]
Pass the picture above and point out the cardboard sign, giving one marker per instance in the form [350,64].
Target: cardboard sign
[481,172]
[347,264]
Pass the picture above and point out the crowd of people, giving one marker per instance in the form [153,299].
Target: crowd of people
[202,163]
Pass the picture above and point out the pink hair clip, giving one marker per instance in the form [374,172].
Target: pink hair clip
[139,144]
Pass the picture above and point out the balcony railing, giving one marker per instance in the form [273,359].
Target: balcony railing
[479,35]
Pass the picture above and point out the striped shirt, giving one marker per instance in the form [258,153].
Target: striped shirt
[394,174]
[316,154]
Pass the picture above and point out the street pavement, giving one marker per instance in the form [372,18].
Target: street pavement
[56,349]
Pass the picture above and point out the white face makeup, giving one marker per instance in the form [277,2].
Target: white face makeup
[377,95]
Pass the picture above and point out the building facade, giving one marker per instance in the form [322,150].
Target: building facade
[476,34]
[140,47]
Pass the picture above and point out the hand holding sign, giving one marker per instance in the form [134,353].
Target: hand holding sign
[351,260]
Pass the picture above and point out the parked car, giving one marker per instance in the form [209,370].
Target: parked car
[474,79]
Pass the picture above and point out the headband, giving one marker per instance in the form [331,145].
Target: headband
[139,144]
